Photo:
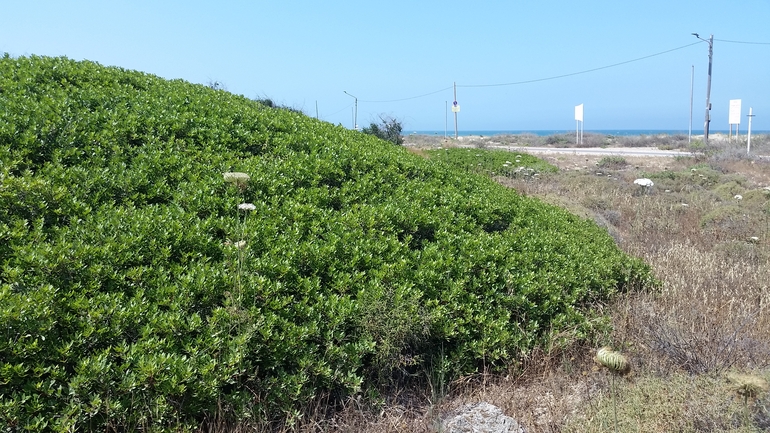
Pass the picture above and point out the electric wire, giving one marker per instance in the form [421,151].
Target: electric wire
[338,111]
[579,72]
[534,80]
[743,42]
[413,97]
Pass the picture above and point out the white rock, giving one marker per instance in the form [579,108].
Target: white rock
[481,417]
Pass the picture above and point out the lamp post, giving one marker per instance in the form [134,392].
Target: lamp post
[708,88]
[355,116]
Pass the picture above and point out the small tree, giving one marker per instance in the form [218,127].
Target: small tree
[389,129]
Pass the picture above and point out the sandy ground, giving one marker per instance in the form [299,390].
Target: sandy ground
[757,171]
[565,161]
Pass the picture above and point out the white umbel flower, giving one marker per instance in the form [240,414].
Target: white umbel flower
[644,182]
[246,207]
[236,177]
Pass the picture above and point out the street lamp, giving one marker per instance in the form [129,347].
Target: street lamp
[355,116]
[708,88]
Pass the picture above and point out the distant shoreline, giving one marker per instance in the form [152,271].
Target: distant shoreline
[545,133]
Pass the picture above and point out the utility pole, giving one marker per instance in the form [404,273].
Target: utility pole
[355,112]
[692,79]
[708,89]
[748,144]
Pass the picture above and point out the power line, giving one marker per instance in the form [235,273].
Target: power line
[743,42]
[413,97]
[555,77]
[325,116]
[580,72]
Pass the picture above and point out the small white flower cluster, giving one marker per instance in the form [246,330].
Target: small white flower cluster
[236,177]
[644,182]
[246,207]
[239,244]
[738,197]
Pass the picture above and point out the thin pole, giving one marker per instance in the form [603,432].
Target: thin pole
[692,80]
[316,110]
[355,112]
[446,117]
[708,93]
[454,85]
[748,144]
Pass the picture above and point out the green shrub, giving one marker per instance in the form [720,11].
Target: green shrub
[136,296]
[389,129]
[492,162]
[612,162]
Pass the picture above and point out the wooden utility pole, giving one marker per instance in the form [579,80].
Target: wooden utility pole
[692,79]
[708,94]
[708,88]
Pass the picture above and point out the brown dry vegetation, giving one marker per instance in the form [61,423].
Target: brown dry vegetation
[711,316]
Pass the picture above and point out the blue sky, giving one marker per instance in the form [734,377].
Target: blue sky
[305,54]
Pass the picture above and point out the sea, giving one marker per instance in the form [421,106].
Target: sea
[545,133]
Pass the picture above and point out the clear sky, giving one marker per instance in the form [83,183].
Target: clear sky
[629,62]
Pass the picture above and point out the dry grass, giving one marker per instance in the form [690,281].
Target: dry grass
[710,320]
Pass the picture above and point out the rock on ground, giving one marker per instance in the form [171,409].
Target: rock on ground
[481,417]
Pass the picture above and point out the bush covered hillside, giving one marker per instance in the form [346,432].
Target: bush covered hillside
[139,288]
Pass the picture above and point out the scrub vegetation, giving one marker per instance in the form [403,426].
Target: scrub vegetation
[176,257]
[698,349]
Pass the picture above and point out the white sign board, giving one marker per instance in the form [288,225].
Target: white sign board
[579,112]
[735,112]
[455,107]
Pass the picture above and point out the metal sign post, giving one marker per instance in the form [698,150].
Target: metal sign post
[455,107]
[735,117]
[748,143]
[579,124]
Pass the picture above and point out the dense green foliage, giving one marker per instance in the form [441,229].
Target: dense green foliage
[134,292]
[389,129]
[492,162]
